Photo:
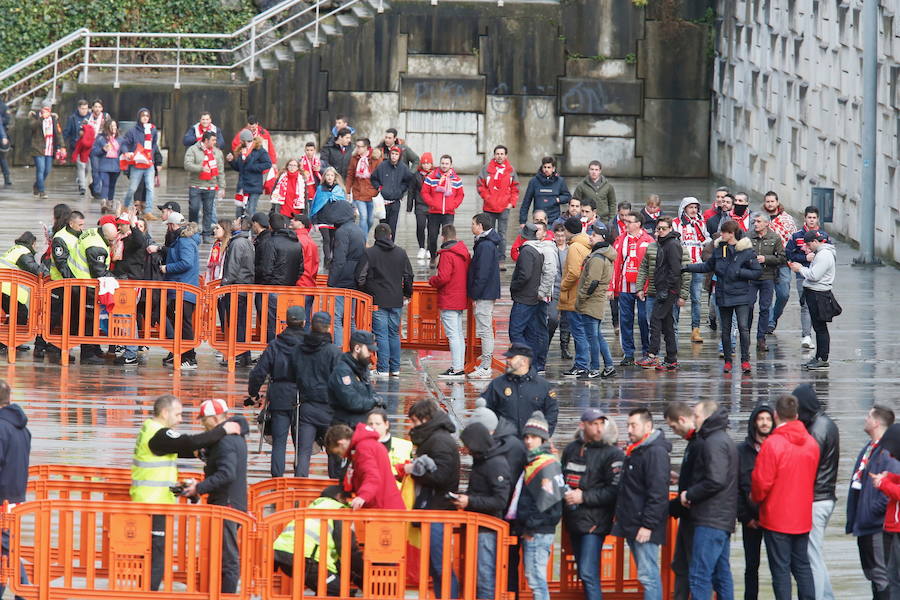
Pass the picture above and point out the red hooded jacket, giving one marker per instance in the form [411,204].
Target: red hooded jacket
[498,186]
[371,475]
[783,479]
[310,259]
[450,281]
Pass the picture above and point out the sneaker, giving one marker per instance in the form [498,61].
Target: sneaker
[422,254]
[591,374]
[428,254]
[126,361]
[726,368]
[667,366]
[745,367]
[574,372]
[481,373]
[649,362]
[93,359]
[608,372]
[169,360]
[43,195]
[376,374]
[626,361]
[451,374]
[807,343]
[816,364]
[713,324]
[189,364]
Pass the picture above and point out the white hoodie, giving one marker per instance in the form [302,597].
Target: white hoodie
[819,275]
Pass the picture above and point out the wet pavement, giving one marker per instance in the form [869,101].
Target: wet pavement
[89,415]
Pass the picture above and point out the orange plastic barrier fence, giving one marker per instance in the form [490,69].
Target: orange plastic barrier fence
[137,317]
[19,309]
[282,493]
[245,327]
[69,482]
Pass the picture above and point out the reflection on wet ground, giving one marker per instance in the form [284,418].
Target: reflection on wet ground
[89,415]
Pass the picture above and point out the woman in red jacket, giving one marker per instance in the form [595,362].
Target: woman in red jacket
[450,282]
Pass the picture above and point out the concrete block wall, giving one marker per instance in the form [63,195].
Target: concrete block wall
[787,106]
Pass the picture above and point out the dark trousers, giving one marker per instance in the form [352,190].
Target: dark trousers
[327,234]
[282,422]
[742,314]
[873,553]
[435,222]
[4,165]
[225,306]
[765,291]
[231,566]
[391,215]
[284,561]
[662,324]
[308,434]
[681,561]
[823,338]
[23,576]
[528,325]
[187,324]
[157,552]
[421,224]
[752,550]
[789,555]
[614,310]
[499,221]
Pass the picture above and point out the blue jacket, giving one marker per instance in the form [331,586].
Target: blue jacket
[484,270]
[104,164]
[548,193]
[734,268]
[15,448]
[866,506]
[796,247]
[324,195]
[183,263]
[250,169]
[72,130]
[134,137]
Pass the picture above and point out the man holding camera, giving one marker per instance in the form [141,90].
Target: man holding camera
[154,469]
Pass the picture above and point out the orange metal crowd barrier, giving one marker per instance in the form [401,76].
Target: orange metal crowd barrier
[20,290]
[282,493]
[69,482]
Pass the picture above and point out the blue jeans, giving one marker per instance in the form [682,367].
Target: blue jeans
[646,556]
[528,325]
[42,167]
[386,327]
[452,320]
[536,555]
[789,555]
[135,177]
[805,319]
[626,323]
[764,290]
[596,342]
[205,199]
[710,569]
[582,351]
[106,184]
[435,562]
[782,294]
[366,215]
[696,301]
[250,209]
[588,548]
[487,563]
[339,320]
[23,576]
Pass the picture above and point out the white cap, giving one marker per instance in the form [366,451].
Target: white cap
[175,218]
[211,408]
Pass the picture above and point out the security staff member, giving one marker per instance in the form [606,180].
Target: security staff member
[63,246]
[332,498]
[20,258]
[91,261]
[154,468]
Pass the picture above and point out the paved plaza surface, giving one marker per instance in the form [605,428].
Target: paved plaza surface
[90,415]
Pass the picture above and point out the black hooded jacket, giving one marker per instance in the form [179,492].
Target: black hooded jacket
[667,276]
[526,277]
[350,391]
[263,257]
[313,362]
[596,469]
[747,452]
[386,274]
[349,245]
[643,499]
[225,472]
[275,363]
[15,449]
[434,438]
[287,259]
[825,432]
[685,478]
[714,491]
[490,479]
[512,447]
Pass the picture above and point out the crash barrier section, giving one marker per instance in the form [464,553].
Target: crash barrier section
[162,314]
[19,309]
[248,312]
[283,493]
[104,550]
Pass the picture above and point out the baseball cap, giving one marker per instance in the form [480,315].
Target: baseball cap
[592,414]
[106,219]
[123,219]
[364,337]
[529,231]
[395,149]
[321,318]
[210,408]
[296,313]
[598,228]
[261,218]
[175,218]
[171,206]
[519,349]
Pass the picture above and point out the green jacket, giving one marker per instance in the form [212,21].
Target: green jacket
[603,195]
[769,246]
[593,286]
[648,266]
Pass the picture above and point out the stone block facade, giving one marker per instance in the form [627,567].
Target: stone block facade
[787,106]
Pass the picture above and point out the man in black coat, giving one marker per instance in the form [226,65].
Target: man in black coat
[349,251]
[435,471]
[825,432]
[712,500]
[15,448]
[528,315]
[680,418]
[387,276]
[759,426]
[521,391]
[592,468]
[225,481]
[483,285]
[392,178]
[642,508]
[276,363]
[667,279]
[337,152]
[283,265]
[315,358]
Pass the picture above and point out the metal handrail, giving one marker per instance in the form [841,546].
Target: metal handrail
[251,44]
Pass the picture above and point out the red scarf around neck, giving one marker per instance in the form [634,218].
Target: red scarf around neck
[631,447]
[209,160]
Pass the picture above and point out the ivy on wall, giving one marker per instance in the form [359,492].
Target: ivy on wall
[28,26]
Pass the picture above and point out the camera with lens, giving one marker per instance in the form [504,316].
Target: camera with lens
[179,488]
[251,400]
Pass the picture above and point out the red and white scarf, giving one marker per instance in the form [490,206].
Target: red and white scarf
[856,479]
[47,129]
[362,167]
[310,168]
[289,193]
[209,160]
[199,130]
[96,121]
[445,184]
[632,262]
[143,156]
[653,215]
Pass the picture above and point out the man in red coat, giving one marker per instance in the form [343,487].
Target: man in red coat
[498,186]
[442,191]
[450,282]
[370,475]
[782,486]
